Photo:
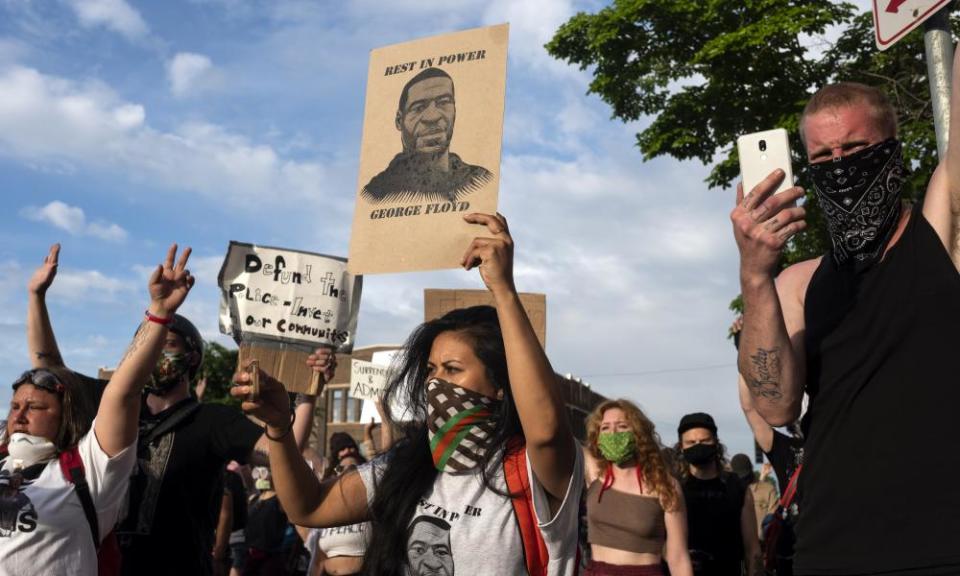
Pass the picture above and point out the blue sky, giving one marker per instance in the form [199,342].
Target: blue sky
[125,126]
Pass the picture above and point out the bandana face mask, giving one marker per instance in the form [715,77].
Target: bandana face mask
[617,447]
[860,198]
[170,370]
[460,424]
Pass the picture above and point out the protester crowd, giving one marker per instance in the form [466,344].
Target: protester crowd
[845,373]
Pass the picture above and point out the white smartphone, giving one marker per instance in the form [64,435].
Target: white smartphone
[760,154]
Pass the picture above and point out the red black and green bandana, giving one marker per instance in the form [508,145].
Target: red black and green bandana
[460,425]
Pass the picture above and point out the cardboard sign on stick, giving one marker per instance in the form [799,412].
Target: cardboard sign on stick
[280,304]
[432,132]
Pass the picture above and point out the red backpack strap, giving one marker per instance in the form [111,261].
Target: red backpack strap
[518,483]
[72,467]
[791,490]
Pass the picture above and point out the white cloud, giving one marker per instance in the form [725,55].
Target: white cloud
[73,220]
[114,15]
[90,286]
[56,213]
[50,121]
[186,72]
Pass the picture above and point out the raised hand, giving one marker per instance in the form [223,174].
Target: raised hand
[324,361]
[43,277]
[169,284]
[271,405]
[493,254]
[763,223]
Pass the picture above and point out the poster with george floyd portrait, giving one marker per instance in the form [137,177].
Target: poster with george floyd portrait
[432,132]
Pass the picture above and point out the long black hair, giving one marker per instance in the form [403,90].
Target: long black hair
[409,472]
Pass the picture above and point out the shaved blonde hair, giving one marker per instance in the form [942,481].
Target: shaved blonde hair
[848,94]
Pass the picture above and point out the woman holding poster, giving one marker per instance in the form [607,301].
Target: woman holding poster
[489,462]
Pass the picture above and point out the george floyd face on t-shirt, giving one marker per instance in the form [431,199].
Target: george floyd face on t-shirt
[428,547]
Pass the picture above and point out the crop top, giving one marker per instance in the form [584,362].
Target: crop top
[348,540]
[625,521]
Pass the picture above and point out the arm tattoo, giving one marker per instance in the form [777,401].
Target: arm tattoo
[138,339]
[764,377]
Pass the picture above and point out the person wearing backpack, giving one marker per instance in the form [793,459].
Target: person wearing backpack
[720,512]
[183,446]
[487,479]
[63,473]
[785,454]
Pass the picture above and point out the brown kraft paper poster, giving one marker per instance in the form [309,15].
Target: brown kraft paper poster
[432,132]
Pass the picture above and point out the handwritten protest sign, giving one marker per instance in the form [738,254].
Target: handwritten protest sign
[280,304]
[432,133]
[367,380]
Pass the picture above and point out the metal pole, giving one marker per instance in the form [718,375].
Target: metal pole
[938,46]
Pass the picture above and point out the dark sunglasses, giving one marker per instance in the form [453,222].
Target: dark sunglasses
[40,378]
[338,470]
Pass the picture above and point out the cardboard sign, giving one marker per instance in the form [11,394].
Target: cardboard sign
[437,302]
[367,380]
[275,295]
[432,132]
[287,363]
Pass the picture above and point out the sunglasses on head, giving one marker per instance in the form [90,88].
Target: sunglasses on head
[40,378]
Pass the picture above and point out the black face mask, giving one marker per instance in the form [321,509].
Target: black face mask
[700,454]
[860,198]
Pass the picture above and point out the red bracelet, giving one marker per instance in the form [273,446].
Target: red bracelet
[158,319]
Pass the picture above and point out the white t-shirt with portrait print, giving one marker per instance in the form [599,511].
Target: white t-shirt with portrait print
[462,527]
[43,529]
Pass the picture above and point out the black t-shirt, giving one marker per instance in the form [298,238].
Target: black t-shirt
[188,499]
[784,456]
[714,509]
[234,485]
[266,525]
[881,374]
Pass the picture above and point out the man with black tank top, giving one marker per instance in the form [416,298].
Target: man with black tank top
[869,331]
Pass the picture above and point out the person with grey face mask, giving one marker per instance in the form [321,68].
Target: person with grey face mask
[63,473]
[868,331]
[176,489]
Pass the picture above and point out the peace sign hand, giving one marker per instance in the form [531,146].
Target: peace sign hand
[169,284]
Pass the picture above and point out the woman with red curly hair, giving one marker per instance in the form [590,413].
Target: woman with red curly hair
[635,511]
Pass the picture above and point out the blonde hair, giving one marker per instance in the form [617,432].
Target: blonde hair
[655,470]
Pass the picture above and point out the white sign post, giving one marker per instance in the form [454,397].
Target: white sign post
[893,19]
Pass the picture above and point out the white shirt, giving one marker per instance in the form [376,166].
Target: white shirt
[43,529]
[462,527]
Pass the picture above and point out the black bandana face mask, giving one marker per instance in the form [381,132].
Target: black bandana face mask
[860,198]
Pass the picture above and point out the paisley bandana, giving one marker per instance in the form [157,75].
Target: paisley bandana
[860,198]
[460,424]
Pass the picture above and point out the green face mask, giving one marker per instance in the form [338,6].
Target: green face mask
[617,447]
